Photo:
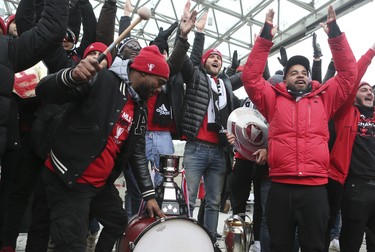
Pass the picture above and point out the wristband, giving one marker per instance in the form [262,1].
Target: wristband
[266,31]
[333,29]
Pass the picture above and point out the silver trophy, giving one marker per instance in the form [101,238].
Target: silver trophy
[168,195]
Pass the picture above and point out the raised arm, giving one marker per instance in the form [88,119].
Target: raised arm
[316,71]
[126,18]
[198,45]
[88,25]
[345,63]
[105,28]
[29,48]
[258,89]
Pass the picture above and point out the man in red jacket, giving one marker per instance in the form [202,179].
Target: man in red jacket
[298,111]
[352,159]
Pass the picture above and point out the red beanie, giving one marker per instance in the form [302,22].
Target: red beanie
[98,46]
[208,53]
[3,26]
[10,20]
[151,61]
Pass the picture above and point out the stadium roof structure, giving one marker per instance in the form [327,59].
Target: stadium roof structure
[231,24]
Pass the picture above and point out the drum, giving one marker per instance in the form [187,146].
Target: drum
[165,235]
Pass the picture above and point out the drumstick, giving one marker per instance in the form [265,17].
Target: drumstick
[143,14]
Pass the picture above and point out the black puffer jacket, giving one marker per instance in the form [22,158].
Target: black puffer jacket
[20,53]
[198,93]
[88,121]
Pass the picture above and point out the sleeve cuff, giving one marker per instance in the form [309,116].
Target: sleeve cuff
[67,79]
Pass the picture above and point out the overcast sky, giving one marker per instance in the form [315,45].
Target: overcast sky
[359,29]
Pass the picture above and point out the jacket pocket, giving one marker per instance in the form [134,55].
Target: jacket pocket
[83,129]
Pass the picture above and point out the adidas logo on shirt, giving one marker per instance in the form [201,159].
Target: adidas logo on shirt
[162,110]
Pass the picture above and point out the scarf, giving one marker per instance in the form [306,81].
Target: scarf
[120,68]
[217,110]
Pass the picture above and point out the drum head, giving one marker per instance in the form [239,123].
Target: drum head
[250,129]
[174,235]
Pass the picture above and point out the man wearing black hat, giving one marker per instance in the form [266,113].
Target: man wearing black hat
[298,111]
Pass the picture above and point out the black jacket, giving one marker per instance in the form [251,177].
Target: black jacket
[21,53]
[198,93]
[88,121]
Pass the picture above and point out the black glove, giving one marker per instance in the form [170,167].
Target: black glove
[161,41]
[165,34]
[284,58]
[235,61]
[316,47]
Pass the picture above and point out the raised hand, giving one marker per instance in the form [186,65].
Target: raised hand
[188,20]
[316,47]
[331,16]
[201,23]
[235,61]
[186,9]
[269,16]
[128,8]
[284,58]
[165,34]
[269,30]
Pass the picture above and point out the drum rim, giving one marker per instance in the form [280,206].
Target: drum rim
[168,218]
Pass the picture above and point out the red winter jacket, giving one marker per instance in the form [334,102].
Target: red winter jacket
[298,130]
[346,124]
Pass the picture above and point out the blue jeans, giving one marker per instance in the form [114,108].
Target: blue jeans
[207,160]
[133,196]
[158,143]
[335,231]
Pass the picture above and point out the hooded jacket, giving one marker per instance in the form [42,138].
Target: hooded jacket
[298,128]
[346,125]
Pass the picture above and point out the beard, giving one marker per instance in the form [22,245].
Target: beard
[361,103]
[143,91]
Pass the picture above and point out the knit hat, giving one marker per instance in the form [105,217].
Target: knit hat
[276,78]
[10,20]
[297,60]
[151,61]
[125,41]
[70,36]
[98,46]
[363,83]
[3,27]
[208,53]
